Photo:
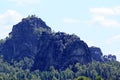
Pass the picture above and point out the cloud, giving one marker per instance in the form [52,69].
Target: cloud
[113,39]
[9,17]
[21,2]
[105,22]
[106,11]
[102,11]
[7,20]
[71,21]
[105,16]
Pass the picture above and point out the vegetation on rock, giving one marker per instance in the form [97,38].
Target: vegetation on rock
[33,52]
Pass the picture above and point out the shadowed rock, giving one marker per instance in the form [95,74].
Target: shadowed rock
[33,39]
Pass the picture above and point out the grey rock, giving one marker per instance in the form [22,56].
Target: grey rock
[33,39]
[96,54]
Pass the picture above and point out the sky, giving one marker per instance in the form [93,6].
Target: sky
[97,22]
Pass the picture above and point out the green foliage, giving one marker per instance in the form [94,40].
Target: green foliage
[1,78]
[26,63]
[2,41]
[31,16]
[82,78]
[54,78]
[41,31]
[93,71]
[98,78]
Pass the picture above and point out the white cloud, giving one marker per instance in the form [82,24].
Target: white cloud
[71,21]
[105,22]
[116,10]
[106,11]
[21,2]
[113,39]
[7,20]
[102,11]
[105,16]
[10,17]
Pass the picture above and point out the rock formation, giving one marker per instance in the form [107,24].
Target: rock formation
[33,39]
[96,54]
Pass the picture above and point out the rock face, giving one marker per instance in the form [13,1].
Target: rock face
[109,57]
[60,50]
[96,54]
[23,39]
[32,38]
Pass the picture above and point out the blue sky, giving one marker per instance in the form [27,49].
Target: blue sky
[96,22]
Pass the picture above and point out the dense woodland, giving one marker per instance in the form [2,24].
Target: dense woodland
[93,71]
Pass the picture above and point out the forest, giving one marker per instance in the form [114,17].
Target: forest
[32,51]
[93,71]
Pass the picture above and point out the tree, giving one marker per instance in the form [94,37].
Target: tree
[1,78]
[98,78]
[82,78]
[54,78]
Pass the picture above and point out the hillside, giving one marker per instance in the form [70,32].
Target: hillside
[32,51]
[33,39]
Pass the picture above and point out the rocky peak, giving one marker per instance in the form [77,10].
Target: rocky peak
[28,26]
[35,22]
[33,39]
